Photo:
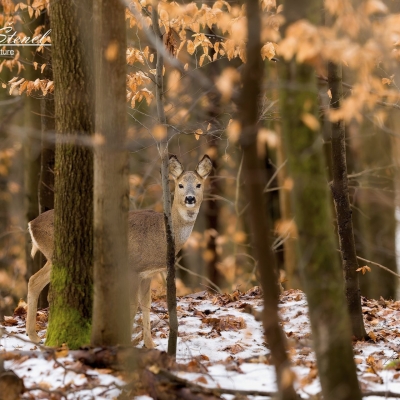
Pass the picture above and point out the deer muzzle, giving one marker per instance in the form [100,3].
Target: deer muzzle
[190,201]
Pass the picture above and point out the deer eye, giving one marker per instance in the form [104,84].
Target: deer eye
[180,186]
[198,185]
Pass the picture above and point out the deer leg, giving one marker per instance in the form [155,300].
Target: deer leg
[36,284]
[145,304]
[134,297]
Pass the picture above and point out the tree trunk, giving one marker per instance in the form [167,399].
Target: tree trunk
[171,287]
[255,182]
[212,208]
[71,280]
[340,192]
[111,291]
[376,199]
[319,261]
[290,256]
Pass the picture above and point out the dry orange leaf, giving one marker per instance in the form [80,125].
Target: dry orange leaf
[201,379]
[364,269]
[159,132]
[198,133]
[310,121]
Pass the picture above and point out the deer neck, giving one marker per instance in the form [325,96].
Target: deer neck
[183,220]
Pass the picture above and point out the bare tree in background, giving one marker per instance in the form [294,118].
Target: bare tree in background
[376,199]
[340,192]
[319,260]
[111,189]
[212,209]
[255,182]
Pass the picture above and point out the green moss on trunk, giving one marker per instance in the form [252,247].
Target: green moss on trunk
[72,273]
[319,260]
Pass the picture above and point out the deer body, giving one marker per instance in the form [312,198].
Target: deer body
[147,247]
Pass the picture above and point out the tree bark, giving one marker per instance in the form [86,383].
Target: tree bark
[72,272]
[319,260]
[111,291]
[340,192]
[255,182]
[171,287]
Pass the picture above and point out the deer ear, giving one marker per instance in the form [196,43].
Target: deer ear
[175,167]
[204,167]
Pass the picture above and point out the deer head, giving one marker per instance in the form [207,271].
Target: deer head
[189,186]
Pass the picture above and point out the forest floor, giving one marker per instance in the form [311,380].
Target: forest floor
[220,345]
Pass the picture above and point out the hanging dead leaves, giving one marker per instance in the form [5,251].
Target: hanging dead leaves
[11,64]
[364,269]
[177,21]
[135,91]
[44,85]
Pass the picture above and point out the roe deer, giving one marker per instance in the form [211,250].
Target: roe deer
[147,247]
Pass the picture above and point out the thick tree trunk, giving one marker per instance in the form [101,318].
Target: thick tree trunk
[319,260]
[255,182]
[72,273]
[340,192]
[111,187]
[171,287]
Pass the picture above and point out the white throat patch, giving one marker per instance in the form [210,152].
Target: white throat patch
[188,215]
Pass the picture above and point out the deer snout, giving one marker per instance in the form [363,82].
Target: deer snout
[190,200]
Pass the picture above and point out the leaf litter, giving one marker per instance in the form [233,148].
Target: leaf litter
[220,344]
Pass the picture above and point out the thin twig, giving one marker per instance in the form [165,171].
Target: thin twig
[273,189]
[199,276]
[274,175]
[237,189]
[198,77]
[367,171]
[380,266]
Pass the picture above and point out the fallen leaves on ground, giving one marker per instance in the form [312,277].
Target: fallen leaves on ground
[220,343]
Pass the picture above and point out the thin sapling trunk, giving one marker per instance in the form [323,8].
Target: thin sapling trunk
[340,192]
[171,287]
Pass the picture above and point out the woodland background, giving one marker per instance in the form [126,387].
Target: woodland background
[325,93]
[218,248]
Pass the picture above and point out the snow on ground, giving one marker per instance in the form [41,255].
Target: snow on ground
[219,336]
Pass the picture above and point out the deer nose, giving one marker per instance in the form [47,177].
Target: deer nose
[190,200]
